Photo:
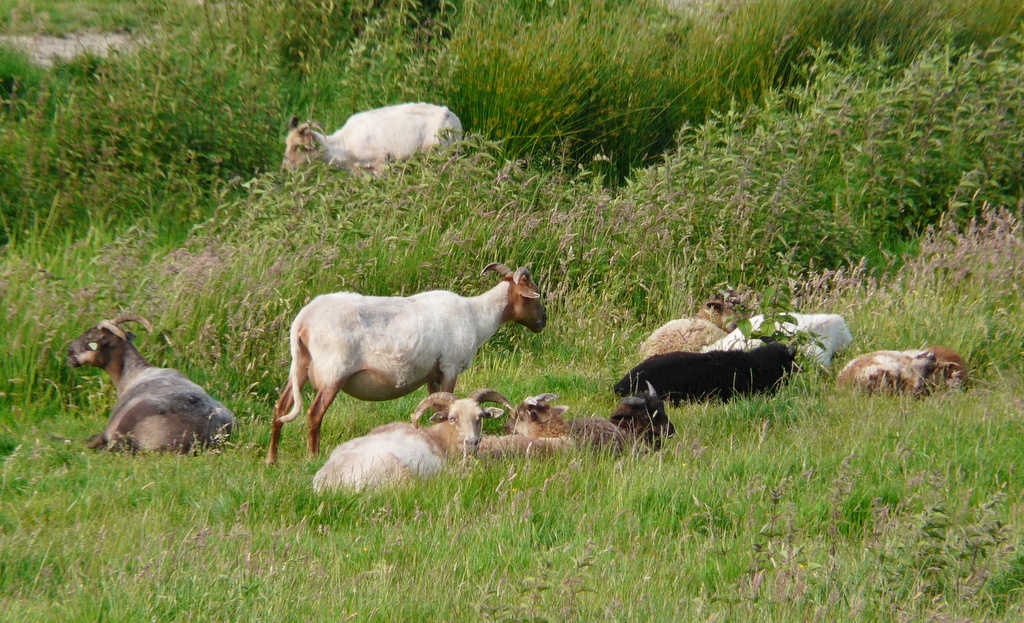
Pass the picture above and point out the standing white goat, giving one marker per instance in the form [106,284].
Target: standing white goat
[381,348]
[370,139]
[400,450]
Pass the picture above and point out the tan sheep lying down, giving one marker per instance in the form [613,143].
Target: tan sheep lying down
[911,372]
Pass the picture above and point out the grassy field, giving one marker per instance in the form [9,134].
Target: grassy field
[854,158]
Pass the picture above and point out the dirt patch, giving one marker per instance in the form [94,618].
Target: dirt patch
[42,49]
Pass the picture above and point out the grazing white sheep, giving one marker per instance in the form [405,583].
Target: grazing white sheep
[370,139]
[829,332]
[381,348]
[400,450]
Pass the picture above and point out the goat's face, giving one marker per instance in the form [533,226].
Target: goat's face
[643,416]
[96,347]
[533,418]
[723,310]
[299,145]
[464,416]
[525,306]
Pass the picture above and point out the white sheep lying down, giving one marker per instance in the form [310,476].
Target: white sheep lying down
[830,333]
[370,139]
[400,450]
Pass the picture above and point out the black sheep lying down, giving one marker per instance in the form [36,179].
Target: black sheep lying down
[715,374]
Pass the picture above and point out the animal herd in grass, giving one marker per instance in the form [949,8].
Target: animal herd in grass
[381,348]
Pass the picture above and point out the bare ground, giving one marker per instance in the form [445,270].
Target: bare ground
[43,49]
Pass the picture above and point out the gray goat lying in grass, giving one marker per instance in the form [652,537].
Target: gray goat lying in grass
[157,408]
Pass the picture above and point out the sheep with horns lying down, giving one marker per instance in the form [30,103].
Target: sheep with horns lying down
[537,427]
[401,450]
[370,139]
[550,434]
[911,372]
[716,374]
[384,347]
[717,315]
[157,408]
[828,332]
[642,418]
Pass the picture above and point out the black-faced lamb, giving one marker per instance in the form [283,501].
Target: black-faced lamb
[401,450]
[381,348]
[370,139]
[716,374]
[157,408]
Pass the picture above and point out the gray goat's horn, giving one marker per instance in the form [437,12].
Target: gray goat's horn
[490,395]
[435,401]
[113,328]
[650,390]
[499,268]
[134,318]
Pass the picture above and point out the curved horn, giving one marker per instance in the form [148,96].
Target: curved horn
[113,328]
[490,395]
[521,272]
[134,318]
[650,390]
[434,401]
[499,268]
[544,398]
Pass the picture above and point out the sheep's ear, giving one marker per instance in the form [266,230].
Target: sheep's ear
[439,416]
[490,412]
[559,410]
[294,123]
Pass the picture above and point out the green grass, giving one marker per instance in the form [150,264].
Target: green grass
[882,183]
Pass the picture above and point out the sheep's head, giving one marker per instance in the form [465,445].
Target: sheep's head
[524,304]
[463,415]
[726,308]
[101,344]
[643,417]
[299,146]
[950,369]
[534,417]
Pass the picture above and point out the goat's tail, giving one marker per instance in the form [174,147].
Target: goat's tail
[297,375]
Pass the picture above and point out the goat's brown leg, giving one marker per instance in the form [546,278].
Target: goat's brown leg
[323,399]
[284,403]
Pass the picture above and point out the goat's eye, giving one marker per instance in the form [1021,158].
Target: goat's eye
[93,345]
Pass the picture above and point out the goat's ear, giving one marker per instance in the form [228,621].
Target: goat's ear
[559,410]
[130,335]
[529,294]
[491,412]
[294,123]
[439,416]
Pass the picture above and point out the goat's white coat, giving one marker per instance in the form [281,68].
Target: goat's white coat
[388,454]
[386,346]
[830,331]
[370,139]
